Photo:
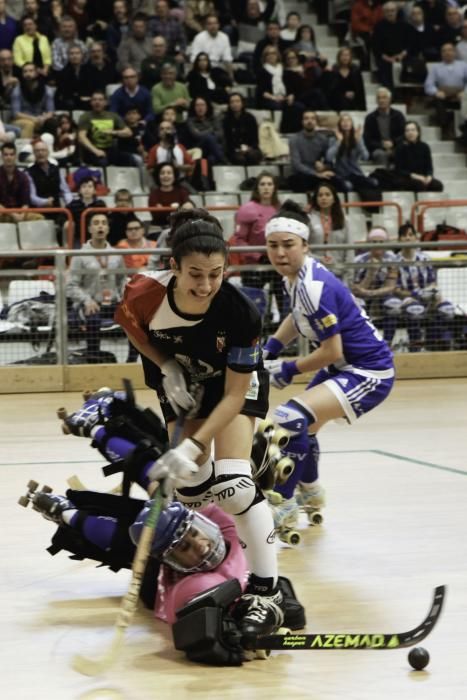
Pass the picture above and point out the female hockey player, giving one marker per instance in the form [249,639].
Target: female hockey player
[198,337]
[353,365]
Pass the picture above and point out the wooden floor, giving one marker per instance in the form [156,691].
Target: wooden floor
[395,527]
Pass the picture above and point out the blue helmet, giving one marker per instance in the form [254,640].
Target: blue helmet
[176,527]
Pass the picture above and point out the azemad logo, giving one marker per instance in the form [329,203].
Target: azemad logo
[340,641]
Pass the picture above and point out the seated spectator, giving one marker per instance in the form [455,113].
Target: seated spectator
[14,189]
[413,163]
[118,27]
[118,219]
[391,43]
[168,150]
[196,12]
[167,193]
[345,89]
[445,83]
[240,133]
[383,129]
[84,15]
[365,14]
[206,130]
[164,24]
[136,46]
[170,93]
[461,46]
[8,28]
[375,287]
[203,82]
[423,41]
[102,71]
[135,238]
[131,95]
[135,122]
[85,199]
[57,12]
[272,38]
[151,131]
[32,47]
[73,82]
[65,134]
[434,12]
[305,43]
[303,81]
[98,133]
[344,153]
[329,225]
[421,302]
[292,23]
[271,92]
[450,31]
[36,10]
[251,219]
[95,285]
[9,77]
[67,37]
[151,66]
[308,150]
[217,46]
[32,101]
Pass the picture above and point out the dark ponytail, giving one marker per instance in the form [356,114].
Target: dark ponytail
[195,231]
[292,210]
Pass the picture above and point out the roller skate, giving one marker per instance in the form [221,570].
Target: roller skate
[50,505]
[258,615]
[269,466]
[96,409]
[311,498]
[285,513]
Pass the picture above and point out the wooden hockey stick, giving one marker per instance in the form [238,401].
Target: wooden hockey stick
[129,604]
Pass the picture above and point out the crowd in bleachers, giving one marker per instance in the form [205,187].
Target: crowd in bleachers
[120,103]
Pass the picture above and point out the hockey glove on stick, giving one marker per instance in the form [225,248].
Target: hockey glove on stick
[178,464]
[174,383]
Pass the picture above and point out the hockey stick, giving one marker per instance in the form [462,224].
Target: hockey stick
[129,604]
[365,640]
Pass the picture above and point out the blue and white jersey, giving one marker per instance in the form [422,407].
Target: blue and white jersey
[413,277]
[377,276]
[322,306]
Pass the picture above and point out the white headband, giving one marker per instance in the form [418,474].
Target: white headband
[285,225]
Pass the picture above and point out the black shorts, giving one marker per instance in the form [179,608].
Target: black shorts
[213,394]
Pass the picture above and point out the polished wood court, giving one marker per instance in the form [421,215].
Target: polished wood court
[395,526]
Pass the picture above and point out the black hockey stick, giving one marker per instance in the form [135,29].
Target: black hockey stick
[365,640]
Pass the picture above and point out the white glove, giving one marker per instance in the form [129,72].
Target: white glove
[280,372]
[174,384]
[177,465]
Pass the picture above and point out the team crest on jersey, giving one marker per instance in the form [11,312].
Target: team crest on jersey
[220,342]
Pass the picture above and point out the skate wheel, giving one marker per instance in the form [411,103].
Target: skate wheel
[62,413]
[23,501]
[315,518]
[265,426]
[32,485]
[47,489]
[87,393]
[281,437]
[75,483]
[263,654]
[291,537]
[274,498]
[284,469]
[274,453]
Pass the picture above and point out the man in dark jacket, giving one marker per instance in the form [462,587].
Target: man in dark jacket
[383,129]
[391,43]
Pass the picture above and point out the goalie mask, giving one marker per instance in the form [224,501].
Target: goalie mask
[185,540]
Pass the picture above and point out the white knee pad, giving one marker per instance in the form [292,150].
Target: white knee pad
[446,310]
[392,306]
[294,417]
[199,494]
[233,489]
[415,309]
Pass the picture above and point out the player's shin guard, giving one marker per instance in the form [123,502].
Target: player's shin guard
[296,418]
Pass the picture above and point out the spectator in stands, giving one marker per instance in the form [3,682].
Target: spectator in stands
[162,262]
[135,47]
[461,46]
[423,39]
[303,82]
[41,16]
[85,199]
[8,27]
[329,225]
[272,38]
[135,238]
[14,188]
[32,47]
[67,37]
[365,14]
[151,66]
[445,83]
[73,82]
[170,93]
[9,77]
[65,135]
[164,24]
[251,219]
[204,82]
[413,163]
[131,95]
[345,89]
[206,130]
[118,219]
[375,287]
[167,193]
[271,92]
[118,27]
[95,285]
[84,15]
[383,128]
[391,42]
[308,150]
[345,152]
[196,12]
[292,23]
[450,31]
[98,134]
[434,11]
[305,42]
[32,101]
[240,133]
[217,45]
[134,121]
[102,71]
